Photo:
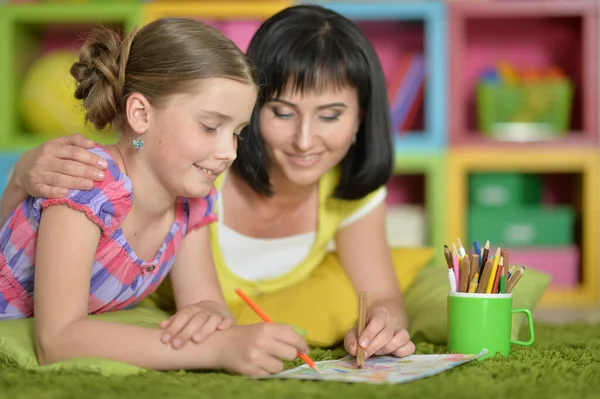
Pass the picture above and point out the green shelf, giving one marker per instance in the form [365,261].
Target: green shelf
[20,26]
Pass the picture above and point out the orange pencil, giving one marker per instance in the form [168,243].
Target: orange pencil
[267,319]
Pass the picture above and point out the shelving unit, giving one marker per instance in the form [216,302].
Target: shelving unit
[432,188]
[444,145]
[583,162]
[414,26]
[526,33]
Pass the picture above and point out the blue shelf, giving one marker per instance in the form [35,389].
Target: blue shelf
[7,162]
[433,16]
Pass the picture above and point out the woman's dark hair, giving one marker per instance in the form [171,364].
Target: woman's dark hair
[307,47]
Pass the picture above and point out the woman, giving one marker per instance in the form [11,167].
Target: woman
[310,170]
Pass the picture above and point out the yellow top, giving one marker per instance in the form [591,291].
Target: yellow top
[332,212]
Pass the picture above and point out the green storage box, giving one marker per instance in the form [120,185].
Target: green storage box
[523,227]
[504,190]
[528,111]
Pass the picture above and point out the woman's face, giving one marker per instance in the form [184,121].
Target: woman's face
[307,134]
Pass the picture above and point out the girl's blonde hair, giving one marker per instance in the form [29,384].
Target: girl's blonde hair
[160,60]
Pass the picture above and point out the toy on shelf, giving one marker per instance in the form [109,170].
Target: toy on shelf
[524,104]
[47,102]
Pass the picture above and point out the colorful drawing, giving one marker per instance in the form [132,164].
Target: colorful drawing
[379,370]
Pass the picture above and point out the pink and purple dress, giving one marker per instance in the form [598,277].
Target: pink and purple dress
[119,278]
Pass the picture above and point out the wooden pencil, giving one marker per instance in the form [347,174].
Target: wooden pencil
[484,257]
[465,272]
[448,256]
[505,264]
[473,285]
[362,321]
[474,267]
[490,283]
[486,270]
[499,273]
[514,279]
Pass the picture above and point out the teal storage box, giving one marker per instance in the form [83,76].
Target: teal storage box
[523,227]
[504,190]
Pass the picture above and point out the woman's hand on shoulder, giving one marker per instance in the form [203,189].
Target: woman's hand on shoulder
[382,336]
[258,349]
[195,323]
[51,169]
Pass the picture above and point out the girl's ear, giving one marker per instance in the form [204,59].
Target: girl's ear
[137,110]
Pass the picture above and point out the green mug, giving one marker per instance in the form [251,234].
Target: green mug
[478,321]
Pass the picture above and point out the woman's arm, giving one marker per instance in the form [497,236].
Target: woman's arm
[66,245]
[51,169]
[364,253]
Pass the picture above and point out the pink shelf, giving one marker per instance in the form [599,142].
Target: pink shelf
[391,40]
[524,33]
[404,189]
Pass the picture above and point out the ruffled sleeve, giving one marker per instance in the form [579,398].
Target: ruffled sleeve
[202,210]
[106,204]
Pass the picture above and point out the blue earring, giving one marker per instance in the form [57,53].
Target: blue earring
[138,143]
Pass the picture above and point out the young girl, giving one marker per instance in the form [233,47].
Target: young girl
[180,93]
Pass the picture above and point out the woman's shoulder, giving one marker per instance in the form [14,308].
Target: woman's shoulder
[343,207]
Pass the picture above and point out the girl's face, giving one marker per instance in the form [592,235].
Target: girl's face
[193,138]
[307,134]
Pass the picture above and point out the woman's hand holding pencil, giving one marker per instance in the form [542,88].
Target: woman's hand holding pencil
[480,273]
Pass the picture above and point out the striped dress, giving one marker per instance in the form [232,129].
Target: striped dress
[119,278]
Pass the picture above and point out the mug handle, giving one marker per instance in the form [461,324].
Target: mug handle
[530,322]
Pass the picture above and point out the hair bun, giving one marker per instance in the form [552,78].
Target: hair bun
[100,75]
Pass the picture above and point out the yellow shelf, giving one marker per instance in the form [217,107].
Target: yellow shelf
[214,9]
[583,161]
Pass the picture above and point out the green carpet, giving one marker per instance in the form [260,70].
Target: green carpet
[563,363]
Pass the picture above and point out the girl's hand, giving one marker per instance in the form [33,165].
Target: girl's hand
[258,349]
[196,323]
[58,165]
[381,336]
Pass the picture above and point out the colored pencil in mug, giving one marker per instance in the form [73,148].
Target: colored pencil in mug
[451,276]
[473,285]
[514,279]
[506,264]
[477,248]
[484,274]
[461,249]
[499,272]
[465,272]
[267,319]
[484,258]
[456,264]
[490,282]
[474,266]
